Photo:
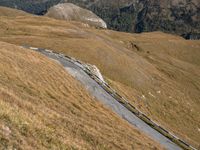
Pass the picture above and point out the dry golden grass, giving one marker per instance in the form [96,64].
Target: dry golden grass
[159,73]
[11,12]
[43,107]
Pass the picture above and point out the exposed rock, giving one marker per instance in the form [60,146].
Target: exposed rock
[95,71]
[68,11]
[5,130]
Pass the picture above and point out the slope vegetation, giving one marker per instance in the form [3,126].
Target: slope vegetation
[157,72]
[43,107]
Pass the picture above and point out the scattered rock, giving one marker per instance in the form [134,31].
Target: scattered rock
[6,130]
[143,97]
[151,94]
[158,92]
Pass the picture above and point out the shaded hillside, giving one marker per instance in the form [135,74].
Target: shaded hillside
[31,6]
[159,73]
[43,107]
[179,17]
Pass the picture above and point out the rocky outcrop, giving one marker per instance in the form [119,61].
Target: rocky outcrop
[95,71]
[68,11]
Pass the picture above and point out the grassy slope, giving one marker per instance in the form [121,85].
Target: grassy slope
[43,107]
[158,72]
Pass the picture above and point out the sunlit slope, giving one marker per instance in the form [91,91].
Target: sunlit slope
[43,107]
[159,73]
[11,12]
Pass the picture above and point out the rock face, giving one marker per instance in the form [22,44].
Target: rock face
[68,11]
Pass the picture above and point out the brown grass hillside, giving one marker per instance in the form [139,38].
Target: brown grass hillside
[43,107]
[159,73]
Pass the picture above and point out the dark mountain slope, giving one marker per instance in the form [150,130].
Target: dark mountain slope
[179,16]
[31,6]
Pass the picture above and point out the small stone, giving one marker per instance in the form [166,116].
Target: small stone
[151,94]
[158,92]
[6,130]
[143,97]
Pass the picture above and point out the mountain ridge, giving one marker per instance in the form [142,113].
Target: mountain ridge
[178,17]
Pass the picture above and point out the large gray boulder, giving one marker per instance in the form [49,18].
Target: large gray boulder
[71,12]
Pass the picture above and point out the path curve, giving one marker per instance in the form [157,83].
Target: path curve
[76,69]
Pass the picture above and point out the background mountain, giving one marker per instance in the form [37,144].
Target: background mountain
[32,6]
[175,16]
